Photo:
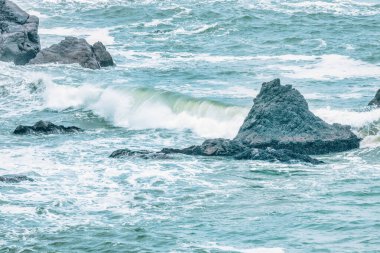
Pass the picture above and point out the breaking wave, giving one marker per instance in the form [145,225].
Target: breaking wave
[144,108]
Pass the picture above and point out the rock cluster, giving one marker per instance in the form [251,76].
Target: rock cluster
[20,43]
[45,127]
[73,50]
[19,40]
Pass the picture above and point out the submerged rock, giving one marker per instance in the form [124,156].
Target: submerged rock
[280,118]
[144,154]
[73,50]
[45,127]
[19,40]
[14,179]
[376,100]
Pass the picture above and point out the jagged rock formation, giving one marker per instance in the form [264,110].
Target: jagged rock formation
[19,40]
[14,179]
[376,100]
[280,118]
[45,127]
[73,50]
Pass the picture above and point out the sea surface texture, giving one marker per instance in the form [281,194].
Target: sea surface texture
[188,70]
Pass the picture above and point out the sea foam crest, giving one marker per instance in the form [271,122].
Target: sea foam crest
[143,108]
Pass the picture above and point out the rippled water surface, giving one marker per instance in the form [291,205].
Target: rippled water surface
[186,71]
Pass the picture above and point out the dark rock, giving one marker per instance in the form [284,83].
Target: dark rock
[272,155]
[14,179]
[212,147]
[223,147]
[144,154]
[102,55]
[73,50]
[19,40]
[376,100]
[45,127]
[280,119]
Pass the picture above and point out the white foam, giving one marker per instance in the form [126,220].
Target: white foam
[200,29]
[92,35]
[335,7]
[156,22]
[249,250]
[346,117]
[327,67]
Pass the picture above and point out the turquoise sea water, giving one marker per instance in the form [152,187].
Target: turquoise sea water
[187,71]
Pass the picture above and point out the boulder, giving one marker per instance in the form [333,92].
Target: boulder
[14,179]
[45,127]
[73,50]
[280,118]
[102,55]
[376,100]
[19,40]
[144,154]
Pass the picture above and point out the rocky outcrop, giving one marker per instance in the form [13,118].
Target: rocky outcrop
[223,147]
[45,127]
[73,50]
[280,119]
[20,43]
[144,154]
[19,40]
[14,179]
[212,147]
[376,100]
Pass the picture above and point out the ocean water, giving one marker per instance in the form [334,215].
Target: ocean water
[187,71]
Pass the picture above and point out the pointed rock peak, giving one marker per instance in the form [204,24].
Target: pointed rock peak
[376,100]
[280,118]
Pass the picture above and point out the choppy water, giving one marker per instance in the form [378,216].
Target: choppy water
[188,70]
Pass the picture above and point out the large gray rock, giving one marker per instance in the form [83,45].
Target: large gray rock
[376,100]
[73,50]
[280,118]
[19,40]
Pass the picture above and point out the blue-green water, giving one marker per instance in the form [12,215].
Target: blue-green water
[186,71]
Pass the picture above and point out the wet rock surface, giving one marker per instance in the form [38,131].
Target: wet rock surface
[14,179]
[19,40]
[45,127]
[223,147]
[73,50]
[280,118]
